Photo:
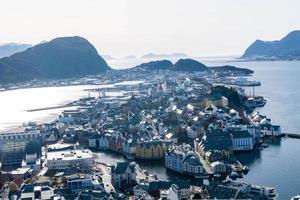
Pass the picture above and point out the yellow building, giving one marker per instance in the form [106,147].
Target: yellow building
[153,149]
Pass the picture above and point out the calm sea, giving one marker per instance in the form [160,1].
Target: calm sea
[277,166]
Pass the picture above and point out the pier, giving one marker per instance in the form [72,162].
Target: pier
[48,108]
[291,135]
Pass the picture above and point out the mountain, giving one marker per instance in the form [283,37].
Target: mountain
[186,65]
[63,57]
[286,48]
[156,65]
[157,56]
[12,48]
[189,65]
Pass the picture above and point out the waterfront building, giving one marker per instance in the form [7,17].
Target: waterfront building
[214,146]
[184,160]
[62,159]
[72,116]
[270,130]
[99,142]
[152,149]
[218,167]
[129,147]
[15,146]
[242,141]
[124,173]
[116,142]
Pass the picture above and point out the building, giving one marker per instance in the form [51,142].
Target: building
[116,142]
[162,190]
[124,174]
[15,146]
[270,130]
[218,167]
[100,142]
[242,141]
[184,160]
[37,192]
[214,146]
[152,149]
[77,158]
[78,182]
[177,193]
[140,192]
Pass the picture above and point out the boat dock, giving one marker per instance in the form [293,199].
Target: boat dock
[291,135]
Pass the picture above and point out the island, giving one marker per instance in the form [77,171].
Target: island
[288,48]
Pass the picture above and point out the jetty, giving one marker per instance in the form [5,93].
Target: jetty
[48,108]
[291,135]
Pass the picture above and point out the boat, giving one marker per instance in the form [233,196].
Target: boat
[254,102]
[297,197]
[245,169]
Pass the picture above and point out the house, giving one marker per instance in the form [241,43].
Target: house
[124,174]
[270,130]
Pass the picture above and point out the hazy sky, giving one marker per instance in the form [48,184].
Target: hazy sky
[136,27]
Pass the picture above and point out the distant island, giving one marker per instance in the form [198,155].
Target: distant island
[12,48]
[63,57]
[190,65]
[159,56]
[288,48]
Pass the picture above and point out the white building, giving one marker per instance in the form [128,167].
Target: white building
[218,167]
[60,160]
[100,142]
[242,141]
[124,174]
[78,182]
[270,130]
[178,193]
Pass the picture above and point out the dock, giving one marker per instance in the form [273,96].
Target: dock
[48,108]
[291,135]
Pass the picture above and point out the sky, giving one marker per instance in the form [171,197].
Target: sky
[136,27]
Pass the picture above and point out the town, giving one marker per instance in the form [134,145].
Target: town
[191,124]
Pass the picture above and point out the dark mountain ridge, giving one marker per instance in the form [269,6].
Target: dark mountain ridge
[287,47]
[63,57]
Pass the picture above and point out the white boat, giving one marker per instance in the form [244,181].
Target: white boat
[296,197]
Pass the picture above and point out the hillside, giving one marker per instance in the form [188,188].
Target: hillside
[12,48]
[286,48]
[63,57]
